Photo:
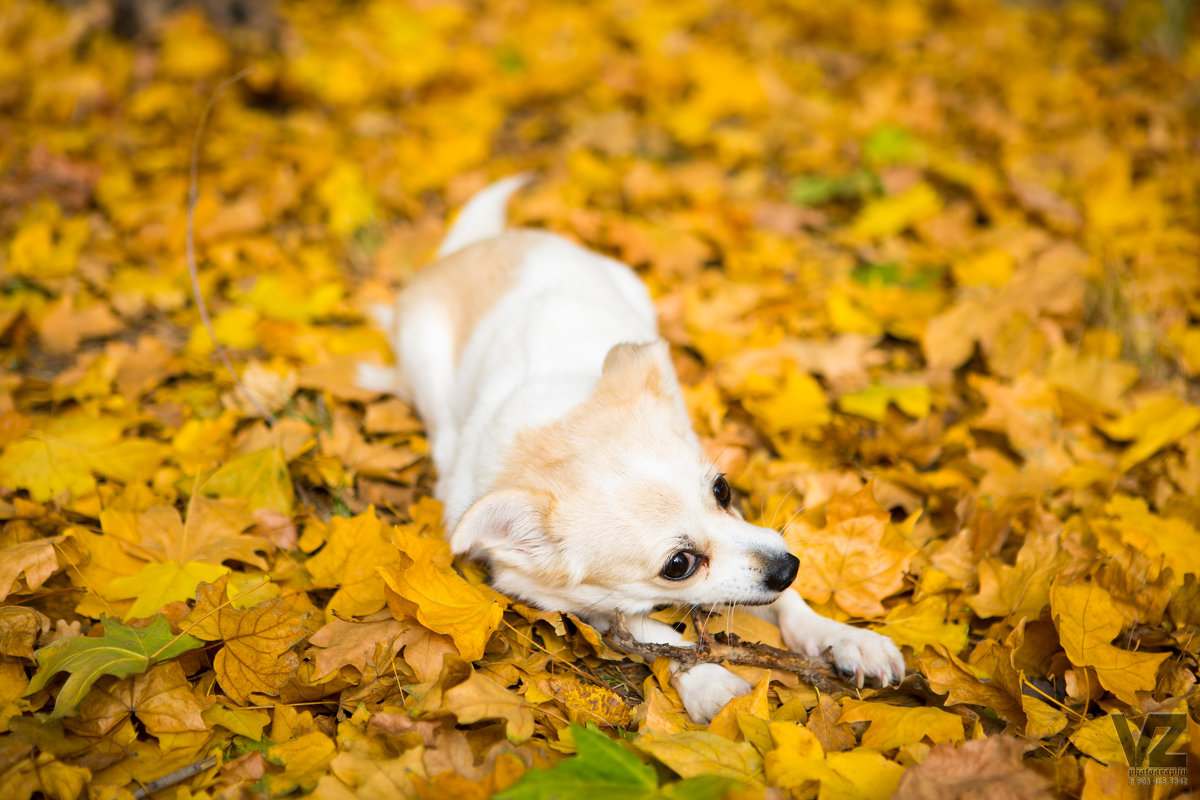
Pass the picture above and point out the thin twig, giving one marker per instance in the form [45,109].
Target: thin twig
[193,197]
[178,776]
[816,672]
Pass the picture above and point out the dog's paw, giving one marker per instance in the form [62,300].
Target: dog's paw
[706,688]
[860,655]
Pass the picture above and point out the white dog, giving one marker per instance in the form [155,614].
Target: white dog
[565,457]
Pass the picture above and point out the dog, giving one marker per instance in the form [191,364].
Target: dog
[566,459]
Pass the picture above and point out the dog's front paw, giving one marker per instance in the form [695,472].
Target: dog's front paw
[858,654]
[706,688]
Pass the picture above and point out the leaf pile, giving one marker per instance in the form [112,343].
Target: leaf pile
[930,274]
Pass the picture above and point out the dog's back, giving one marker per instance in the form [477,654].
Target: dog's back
[509,328]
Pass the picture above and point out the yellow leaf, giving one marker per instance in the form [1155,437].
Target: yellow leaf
[479,698]
[798,405]
[888,216]
[260,478]
[65,454]
[860,774]
[893,726]
[872,402]
[1042,719]
[246,722]
[157,584]
[587,702]
[1173,539]
[1158,420]
[347,198]
[924,623]
[1098,738]
[1023,589]
[354,549]
[754,703]
[993,267]
[858,558]
[692,753]
[304,759]
[1087,622]
[257,652]
[438,598]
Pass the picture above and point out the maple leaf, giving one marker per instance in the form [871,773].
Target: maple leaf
[893,726]
[120,651]
[797,761]
[436,596]
[354,551]
[256,655]
[260,478]
[1088,621]
[858,558]
[66,453]
[355,642]
[1022,589]
[924,623]
[183,555]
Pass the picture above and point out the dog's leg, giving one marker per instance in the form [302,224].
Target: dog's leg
[705,688]
[857,653]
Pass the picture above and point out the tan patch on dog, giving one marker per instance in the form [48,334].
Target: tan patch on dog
[469,282]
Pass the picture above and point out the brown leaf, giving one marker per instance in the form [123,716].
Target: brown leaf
[257,654]
[981,769]
[20,628]
[834,736]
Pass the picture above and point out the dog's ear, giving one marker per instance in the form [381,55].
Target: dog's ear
[631,369]
[508,524]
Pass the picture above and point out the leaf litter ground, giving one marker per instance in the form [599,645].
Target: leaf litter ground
[929,274]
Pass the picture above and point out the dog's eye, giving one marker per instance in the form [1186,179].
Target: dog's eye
[721,491]
[680,566]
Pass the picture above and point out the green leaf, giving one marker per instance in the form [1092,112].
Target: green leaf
[817,190]
[701,787]
[603,769]
[892,144]
[120,652]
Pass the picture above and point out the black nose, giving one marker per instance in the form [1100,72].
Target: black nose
[780,572]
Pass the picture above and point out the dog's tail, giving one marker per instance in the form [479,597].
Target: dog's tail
[484,215]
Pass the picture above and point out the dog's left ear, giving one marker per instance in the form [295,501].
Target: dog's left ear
[636,370]
[632,369]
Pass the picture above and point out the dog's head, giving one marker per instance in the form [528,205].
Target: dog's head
[615,507]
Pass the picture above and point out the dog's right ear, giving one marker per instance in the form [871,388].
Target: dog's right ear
[506,525]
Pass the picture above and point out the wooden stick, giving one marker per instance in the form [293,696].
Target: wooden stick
[178,776]
[816,672]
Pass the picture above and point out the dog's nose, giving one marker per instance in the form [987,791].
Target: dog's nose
[781,572]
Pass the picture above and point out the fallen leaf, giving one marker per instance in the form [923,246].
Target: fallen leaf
[1088,622]
[119,652]
[988,768]
[893,726]
[694,753]
[256,655]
